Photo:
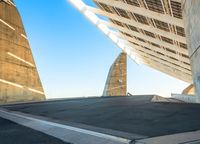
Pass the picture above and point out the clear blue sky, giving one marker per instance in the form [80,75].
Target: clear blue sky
[73,57]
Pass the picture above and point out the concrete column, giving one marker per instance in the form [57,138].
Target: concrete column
[19,79]
[116,84]
[191,16]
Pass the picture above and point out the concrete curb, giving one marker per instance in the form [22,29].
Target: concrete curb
[64,132]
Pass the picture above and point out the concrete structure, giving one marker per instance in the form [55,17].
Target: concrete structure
[114,120]
[116,84]
[185,98]
[189,90]
[19,79]
[191,14]
[152,32]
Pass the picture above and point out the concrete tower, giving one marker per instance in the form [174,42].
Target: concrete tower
[19,79]
[116,84]
[191,14]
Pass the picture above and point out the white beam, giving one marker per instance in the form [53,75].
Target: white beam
[142,36]
[179,1]
[145,12]
[83,8]
[164,62]
[20,86]
[170,72]
[167,70]
[154,48]
[154,40]
[5,23]
[170,60]
[145,27]
[95,20]
[20,59]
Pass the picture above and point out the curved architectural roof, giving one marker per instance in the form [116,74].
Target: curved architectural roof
[150,31]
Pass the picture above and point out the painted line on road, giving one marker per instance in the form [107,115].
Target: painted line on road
[64,132]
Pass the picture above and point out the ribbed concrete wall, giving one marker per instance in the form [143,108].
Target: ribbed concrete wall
[191,15]
[116,84]
[19,79]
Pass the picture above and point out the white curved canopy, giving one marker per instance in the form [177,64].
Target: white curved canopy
[151,32]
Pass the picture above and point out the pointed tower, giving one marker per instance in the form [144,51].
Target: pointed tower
[116,84]
[19,79]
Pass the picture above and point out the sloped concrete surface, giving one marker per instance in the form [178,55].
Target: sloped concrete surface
[12,133]
[64,132]
[135,114]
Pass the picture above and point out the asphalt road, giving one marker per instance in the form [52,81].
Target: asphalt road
[12,133]
[136,114]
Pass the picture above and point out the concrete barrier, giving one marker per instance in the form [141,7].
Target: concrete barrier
[185,98]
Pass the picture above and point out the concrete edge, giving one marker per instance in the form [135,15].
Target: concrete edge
[180,138]
[71,98]
[185,98]
[64,132]
[116,133]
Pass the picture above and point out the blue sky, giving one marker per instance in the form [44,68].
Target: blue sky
[73,57]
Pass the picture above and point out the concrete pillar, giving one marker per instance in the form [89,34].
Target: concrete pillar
[19,79]
[191,16]
[116,84]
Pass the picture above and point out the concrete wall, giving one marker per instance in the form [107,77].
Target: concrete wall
[19,79]
[184,98]
[116,84]
[190,90]
[191,15]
